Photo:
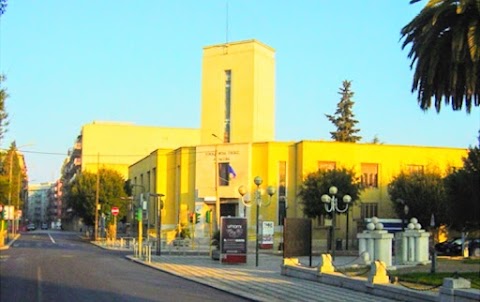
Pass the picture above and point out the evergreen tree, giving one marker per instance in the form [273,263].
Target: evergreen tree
[344,119]
[3,113]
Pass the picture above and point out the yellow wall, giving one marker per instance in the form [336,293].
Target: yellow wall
[187,176]
[118,145]
[252,92]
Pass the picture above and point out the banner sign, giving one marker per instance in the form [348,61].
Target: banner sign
[9,212]
[267,229]
[233,239]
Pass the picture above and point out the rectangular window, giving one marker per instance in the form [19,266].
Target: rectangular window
[415,168]
[369,178]
[228,96]
[369,210]
[225,173]
[326,165]
[282,191]
[148,182]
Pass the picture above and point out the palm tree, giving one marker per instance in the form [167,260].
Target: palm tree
[445,45]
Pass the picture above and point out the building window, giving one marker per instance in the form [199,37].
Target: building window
[415,168]
[369,210]
[225,174]
[148,181]
[369,178]
[326,165]
[228,96]
[324,220]
[282,191]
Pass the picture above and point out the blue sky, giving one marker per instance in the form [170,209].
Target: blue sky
[69,63]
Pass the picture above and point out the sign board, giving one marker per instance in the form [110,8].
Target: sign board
[297,238]
[115,211]
[233,240]
[9,212]
[267,230]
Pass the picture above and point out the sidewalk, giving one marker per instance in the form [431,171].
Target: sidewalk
[297,283]
[262,283]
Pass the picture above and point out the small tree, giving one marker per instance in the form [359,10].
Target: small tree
[344,119]
[317,183]
[424,193]
[81,194]
[463,191]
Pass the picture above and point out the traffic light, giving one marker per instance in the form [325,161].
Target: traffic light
[197,217]
[139,214]
[208,216]
[190,217]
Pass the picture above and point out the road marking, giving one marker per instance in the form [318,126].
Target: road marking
[39,283]
[51,238]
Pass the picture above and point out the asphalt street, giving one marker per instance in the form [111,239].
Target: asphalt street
[59,266]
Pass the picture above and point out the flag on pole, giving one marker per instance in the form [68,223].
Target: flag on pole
[231,172]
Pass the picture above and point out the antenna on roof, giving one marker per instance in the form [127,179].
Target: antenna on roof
[226,22]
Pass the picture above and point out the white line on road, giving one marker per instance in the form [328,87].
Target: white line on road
[51,238]
[39,284]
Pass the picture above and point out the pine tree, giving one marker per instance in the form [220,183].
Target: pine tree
[344,119]
[3,112]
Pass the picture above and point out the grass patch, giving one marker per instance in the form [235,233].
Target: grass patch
[437,278]
[471,261]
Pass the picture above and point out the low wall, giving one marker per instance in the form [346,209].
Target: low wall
[392,291]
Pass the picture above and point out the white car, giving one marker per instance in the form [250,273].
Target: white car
[31,227]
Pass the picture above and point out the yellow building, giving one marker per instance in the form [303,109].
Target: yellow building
[188,179]
[237,144]
[117,145]
[198,170]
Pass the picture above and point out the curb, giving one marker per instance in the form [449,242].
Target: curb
[7,246]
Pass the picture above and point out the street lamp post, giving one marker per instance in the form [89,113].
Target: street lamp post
[258,200]
[331,206]
[217,197]
[158,220]
[404,212]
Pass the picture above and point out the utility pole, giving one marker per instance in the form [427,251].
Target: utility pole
[9,224]
[97,197]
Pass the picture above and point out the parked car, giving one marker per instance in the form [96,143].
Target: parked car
[31,227]
[452,247]
[474,247]
[44,226]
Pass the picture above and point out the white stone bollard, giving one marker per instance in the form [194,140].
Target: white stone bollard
[376,242]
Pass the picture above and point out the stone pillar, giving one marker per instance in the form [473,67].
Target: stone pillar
[376,242]
[415,241]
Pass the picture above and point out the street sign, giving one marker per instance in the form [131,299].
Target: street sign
[115,211]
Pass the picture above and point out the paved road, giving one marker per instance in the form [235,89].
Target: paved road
[58,266]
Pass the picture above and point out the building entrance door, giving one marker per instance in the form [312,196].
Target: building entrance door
[228,209]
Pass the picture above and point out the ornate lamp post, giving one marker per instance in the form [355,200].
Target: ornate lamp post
[331,206]
[258,200]
[405,212]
